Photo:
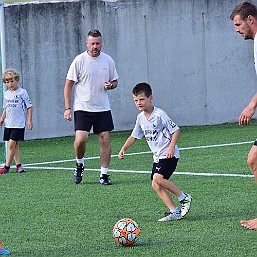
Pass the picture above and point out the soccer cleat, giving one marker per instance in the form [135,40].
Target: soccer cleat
[19,168]
[186,204]
[3,170]
[171,216]
[2,250]
[78,173]
[104,180]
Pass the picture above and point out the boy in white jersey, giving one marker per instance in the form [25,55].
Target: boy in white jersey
[17,111]
[162,135]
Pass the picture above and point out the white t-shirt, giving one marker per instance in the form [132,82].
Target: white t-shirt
[157,130]
[16,104]
[90,74]
[255,52]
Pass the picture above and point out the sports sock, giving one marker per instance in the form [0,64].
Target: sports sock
[79,161]
[104,171]
[176,210]
[7,167]
[182,197]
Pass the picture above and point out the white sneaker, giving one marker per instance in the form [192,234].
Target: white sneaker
[171,216]
[185,205]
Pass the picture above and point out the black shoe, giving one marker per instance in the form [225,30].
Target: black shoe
[78,173]
[104,180]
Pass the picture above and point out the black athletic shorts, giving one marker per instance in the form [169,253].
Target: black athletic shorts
[165,167]
[16,134]
[100,121]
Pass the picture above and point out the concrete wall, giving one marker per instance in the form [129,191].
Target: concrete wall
[201,71]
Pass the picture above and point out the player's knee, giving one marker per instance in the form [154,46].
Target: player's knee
[155,186]
[252,163]
[252,158]
[157,179]
[104,139]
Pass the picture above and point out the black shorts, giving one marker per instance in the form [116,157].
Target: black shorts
[16,134]
[255,142]
[100,121]
[165,167]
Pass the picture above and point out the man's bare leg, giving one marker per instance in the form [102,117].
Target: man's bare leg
[105,156]
[80,143]
[79,148]
[252,163]
[105,148]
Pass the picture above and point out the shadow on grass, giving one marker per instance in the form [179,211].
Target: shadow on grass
[221,215]
[89,250]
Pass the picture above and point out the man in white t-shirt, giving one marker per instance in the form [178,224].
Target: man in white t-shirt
[244,17]
[161,134]
[92,74]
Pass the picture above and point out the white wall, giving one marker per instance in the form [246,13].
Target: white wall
[201,71]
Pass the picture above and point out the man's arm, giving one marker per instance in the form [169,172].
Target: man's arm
[67,99]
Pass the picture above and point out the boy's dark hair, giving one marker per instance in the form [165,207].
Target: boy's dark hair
[244,9]
[94,33]
[144,88]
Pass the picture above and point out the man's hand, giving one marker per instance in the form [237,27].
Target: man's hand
[107,85]
[246,115]
[67,114]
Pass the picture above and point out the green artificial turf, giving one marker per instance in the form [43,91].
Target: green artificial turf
[43,213]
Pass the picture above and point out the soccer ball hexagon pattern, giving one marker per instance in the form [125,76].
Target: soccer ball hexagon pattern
[126,232]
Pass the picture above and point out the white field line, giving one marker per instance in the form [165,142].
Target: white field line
[148,172]
[35,165]
[181,149]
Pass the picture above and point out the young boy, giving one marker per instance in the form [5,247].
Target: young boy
[162,135]
[17,110]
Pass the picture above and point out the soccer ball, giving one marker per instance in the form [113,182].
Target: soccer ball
[126,232]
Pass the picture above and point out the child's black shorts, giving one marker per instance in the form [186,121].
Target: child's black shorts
[165,167]
[100,121]
[16,134]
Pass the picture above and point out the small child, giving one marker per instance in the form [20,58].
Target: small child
[17,110]
[162,135]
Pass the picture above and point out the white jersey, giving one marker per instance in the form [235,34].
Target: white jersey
[90,74]
[16,104]
[157,130]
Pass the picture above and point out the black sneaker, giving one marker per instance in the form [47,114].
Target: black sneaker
[104,180]
[78,173]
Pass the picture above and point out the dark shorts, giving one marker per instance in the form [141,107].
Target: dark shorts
[100,121]
[255,142]
[165,167]
[16,134]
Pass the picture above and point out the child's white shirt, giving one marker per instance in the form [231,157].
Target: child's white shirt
[16,103]
[157,130]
